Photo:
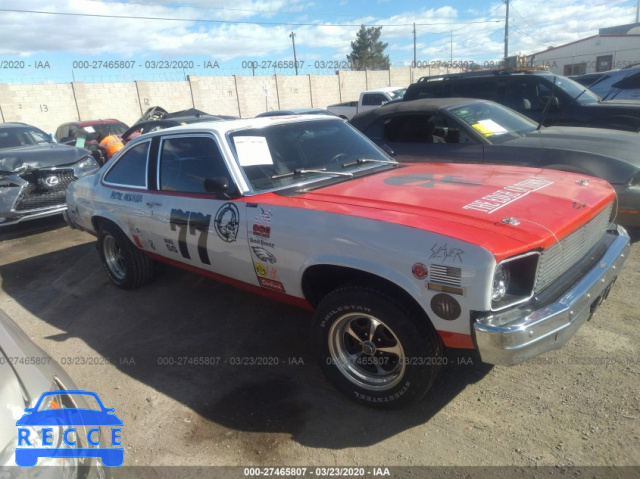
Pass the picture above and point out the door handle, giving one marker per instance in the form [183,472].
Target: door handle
[151,204]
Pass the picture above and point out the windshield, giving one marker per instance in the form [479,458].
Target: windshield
[495,122]
[22,136]
[106,128]
[575,90]
[397,94]
[282,155]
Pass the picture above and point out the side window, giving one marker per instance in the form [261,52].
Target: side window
[373,99]
[485,90]
[414,128]
[527,95]
[185,163]
[130,168]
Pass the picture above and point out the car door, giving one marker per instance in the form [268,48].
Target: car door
[425,137]
[189,225]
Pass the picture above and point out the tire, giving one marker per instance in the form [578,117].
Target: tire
[353,323]
[126,266]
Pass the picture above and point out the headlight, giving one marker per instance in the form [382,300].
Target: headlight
[5,181]
[86,166]
[501,280]
[514,280]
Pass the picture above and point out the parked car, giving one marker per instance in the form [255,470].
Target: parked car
[398,261]
[84,134]
[296,111]
[368,100]
[27,374]
[157,118]
[621,84]
[540,95]
[35,172]
[481,131]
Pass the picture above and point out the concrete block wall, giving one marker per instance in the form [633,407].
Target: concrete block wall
[293,91]
[352,83]
[400,76]
[49,105]
[377,79]
[216,95]
[172,96]
[39,105]
[107,100]
[325,90]
[251,93]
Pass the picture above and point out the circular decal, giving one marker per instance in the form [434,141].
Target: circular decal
[419,271]
[227,222]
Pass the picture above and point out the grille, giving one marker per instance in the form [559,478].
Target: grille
[46,189]
[563,255]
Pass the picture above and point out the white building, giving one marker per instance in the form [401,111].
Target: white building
[615,47]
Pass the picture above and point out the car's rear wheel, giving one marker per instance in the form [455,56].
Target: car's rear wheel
[125,264]
[374,348]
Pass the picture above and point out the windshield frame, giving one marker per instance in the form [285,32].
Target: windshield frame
[576,92]
[493,139]
[314,180]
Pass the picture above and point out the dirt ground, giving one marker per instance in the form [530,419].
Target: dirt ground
[579,406]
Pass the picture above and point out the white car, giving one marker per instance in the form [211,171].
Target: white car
[398,261]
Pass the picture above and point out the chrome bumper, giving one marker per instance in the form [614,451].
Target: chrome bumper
[535,332]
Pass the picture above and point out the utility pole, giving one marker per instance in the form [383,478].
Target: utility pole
[415,59]
[637,10]
[295,59]
[506,36]
[451,58]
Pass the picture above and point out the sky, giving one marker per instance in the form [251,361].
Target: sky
[119,40]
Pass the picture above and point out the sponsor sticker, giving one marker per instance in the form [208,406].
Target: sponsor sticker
[271,284]
[419,270]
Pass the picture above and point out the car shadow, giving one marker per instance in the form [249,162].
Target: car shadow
[31,227]
[236,359]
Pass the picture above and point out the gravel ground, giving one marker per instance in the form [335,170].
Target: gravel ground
[579,406]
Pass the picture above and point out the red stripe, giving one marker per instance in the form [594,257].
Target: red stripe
[275,295]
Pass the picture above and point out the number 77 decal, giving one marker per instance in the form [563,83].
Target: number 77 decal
[194,222]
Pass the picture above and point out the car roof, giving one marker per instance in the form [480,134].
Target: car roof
[295,111]
[228,126]
[15,124]
[95,122]
[364,119]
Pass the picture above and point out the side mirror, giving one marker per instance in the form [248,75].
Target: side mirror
[388,150]
[218,185]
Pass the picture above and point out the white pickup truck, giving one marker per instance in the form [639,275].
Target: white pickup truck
[369,100]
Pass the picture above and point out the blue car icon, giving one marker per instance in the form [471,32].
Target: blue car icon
[67,424]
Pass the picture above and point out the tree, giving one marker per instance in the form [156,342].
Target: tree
[367,51]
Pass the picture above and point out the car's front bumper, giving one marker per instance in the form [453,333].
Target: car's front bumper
[529,333]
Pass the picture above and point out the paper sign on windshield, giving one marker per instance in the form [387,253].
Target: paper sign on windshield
[253,150]
[489,128]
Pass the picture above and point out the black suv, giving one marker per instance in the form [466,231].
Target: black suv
[537,94]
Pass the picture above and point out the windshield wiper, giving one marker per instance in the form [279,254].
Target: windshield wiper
[302,171]
[360,161]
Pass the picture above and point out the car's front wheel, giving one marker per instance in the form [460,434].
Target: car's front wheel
[374,348]
[125,264]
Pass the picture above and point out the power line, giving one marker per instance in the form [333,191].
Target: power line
[195,7]
[132,17]
[527,23]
